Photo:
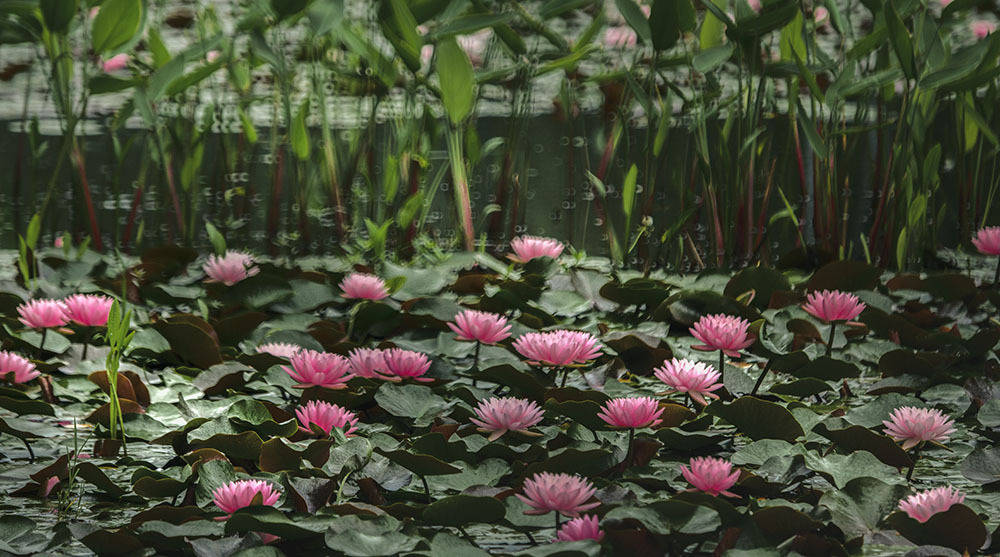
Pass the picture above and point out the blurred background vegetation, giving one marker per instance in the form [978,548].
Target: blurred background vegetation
[684,134]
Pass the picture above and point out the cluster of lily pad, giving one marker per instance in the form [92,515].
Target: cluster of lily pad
[473,406]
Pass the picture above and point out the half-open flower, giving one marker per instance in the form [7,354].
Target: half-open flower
[586,527]
[497,416]
[363,286]
[914,426]
[711,475]
[230,268]
[279,349]
[722,332]
[558,348]
[321,369]
[833,305]
[480,326]
[527,248]
[696,379]
[42,313]
[565,494]
[236,495]
[631,412]
[16,368]
[922,506]
[326,416]
[407,364]
[368,363]
[89,310]
[987,240]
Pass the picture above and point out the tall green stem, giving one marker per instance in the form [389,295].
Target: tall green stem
[460,186]
[829,343]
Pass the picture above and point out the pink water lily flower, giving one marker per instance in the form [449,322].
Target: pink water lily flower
[279,349]
[620,36]
[116,63]
[407,364]
[711,475]
[480,326]
[565,494]
[500,415]
[16,368]
[527,248]
[722,332]
[558,348]
[321,369]
[89,310]
[586,527]
[922,506]
[364,287]
[696,379]
[821,15]
[236,495]
[914,426]
[368,363]
[326,416]
[987,240]
[42,313]
[631,412]
[833,305]
[231,268]
[981,28]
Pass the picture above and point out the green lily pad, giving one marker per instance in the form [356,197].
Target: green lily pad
[758,419]
[460,510]
[959,528]
[358,537]
[860,505]
[417,402]
[420,464]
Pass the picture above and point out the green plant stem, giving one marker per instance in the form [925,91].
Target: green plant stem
[829,343]
[996,274]
[427,489]
[460,187]
[913,463]
[722,368]
[767,368]
[628,451]
[557,522]
[45,334]
[475,363]
[31,453]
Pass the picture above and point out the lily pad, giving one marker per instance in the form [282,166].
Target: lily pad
[758,419]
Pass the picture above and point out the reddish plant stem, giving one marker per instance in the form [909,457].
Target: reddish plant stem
[95,230]
[168,164]
[132,213]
